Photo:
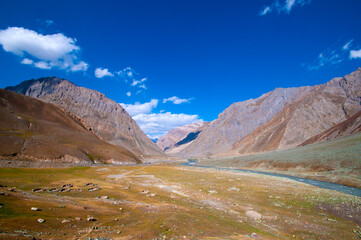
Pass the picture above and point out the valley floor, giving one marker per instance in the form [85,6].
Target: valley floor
[169,202]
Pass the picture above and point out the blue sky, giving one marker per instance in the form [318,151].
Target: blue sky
[181,61]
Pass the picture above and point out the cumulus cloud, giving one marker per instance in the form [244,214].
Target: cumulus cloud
[335,54]
[286,6]
[140,108]
[42,65]
[156,125]
[176,100]
[100,73]
[355,54]
[136,82]
[51,51]
[129,94]
[27,61]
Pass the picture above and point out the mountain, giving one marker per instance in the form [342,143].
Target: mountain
[176,134]
[186,141]
[33,130]
[345,128]
[280,119]
[104,117]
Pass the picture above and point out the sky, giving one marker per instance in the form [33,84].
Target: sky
[171,63]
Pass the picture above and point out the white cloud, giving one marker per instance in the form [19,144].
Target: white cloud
[99,73]
[42,65]
[176,100]
[285,7]
[140,108]
[267,9]
[156,125]
[81,66]
[49,22]
[129,94]
[136,82]
[27,61]
[347,45]
[355,54]
[335,54]
[54,50]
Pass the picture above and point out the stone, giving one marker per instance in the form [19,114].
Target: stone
[144,192]
[104,197]
[91,219]
[65,221]
[40,220]
[35,209]
[36,190]
[94,189]
[254,215]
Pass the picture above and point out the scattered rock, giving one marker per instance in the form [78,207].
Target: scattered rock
[152,195]
[104,197]
[212,191]
[254,235]
[91,219]
[90,184]
[54,190]
[94,189]
[36,190]
[234,189]
[77,219]
[120,209]
[126,187]
[40,220]
[69,185]
[35,209]
[144,192]
[254,215]
[65,190]
[65,221]
[11,189]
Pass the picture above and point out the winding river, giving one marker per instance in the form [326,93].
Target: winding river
[321,184]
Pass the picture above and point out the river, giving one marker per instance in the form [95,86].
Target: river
[321,184]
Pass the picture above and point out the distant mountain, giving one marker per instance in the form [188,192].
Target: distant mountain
[176,134]
[186,141]
[104,117]
[280,119]
[345,128]
[33,130]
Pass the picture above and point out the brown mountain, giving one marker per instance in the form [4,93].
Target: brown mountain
[176,134]
[186,141]
[280,119]
[33,130]
[106,118]
[345,128]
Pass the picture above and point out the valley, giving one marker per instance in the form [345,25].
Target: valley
[169,202]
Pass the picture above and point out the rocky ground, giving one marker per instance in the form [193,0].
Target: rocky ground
[169,202]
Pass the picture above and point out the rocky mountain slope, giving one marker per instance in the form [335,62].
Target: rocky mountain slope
[33,130]
[345,128]
[176,134]
[104,117]
[186,141]
[280,119]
